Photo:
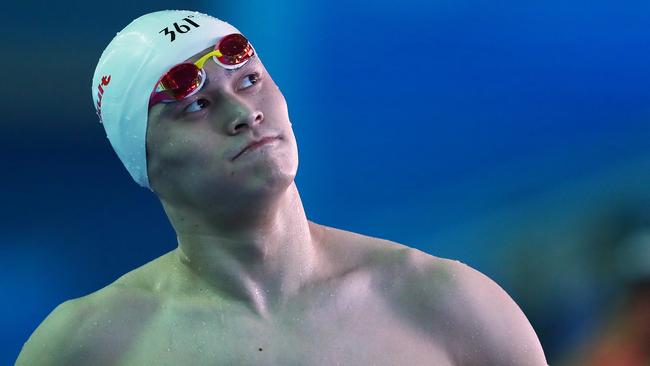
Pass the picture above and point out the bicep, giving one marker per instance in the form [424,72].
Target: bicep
[49,343]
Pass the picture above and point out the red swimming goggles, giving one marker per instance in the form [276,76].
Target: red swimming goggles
[187,78]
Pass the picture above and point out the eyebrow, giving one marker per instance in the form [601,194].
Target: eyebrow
[231,72]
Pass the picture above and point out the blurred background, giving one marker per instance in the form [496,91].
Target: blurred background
[512,136]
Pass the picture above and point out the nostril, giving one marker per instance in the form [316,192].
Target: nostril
[259,117]
[237,126]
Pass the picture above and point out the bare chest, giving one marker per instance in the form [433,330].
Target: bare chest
[349,325]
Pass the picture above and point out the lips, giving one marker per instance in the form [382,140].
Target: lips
[255,144]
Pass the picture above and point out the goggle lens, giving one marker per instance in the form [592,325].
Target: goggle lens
[181,81]
[185,79]
[234,49]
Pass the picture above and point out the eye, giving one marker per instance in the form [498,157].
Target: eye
[252,79]
[202,103]
[197,105]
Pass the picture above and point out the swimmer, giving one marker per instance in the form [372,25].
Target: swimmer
[195,117]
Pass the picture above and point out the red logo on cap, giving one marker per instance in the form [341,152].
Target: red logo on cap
[100,93]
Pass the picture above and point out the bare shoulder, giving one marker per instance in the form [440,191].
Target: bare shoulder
[92,329]
[452,302]
[49,343]
[480,322]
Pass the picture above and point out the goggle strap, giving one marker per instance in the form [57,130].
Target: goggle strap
[159,94]
[205,58]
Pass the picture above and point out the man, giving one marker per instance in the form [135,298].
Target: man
[194,116]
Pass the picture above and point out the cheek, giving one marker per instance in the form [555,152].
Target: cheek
[275,105]
[170,152]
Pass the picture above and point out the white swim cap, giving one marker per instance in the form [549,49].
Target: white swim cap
[129,68]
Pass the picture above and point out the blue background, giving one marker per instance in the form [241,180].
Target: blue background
[510,135]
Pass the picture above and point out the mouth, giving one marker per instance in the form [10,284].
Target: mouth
[256,144]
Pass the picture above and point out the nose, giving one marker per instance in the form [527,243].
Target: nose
[245,115]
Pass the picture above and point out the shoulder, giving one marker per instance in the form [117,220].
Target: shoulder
[481,322]
[79,330]
[50,343]
[453,303]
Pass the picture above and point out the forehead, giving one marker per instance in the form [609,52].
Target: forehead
[198,55]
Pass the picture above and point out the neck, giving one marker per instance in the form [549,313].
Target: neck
[262,261]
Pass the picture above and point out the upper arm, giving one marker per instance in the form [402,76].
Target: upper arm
[495,331]
[49,343]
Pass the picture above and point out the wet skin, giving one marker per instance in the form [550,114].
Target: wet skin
[254,282]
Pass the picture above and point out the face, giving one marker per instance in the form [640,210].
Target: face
[194,145]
